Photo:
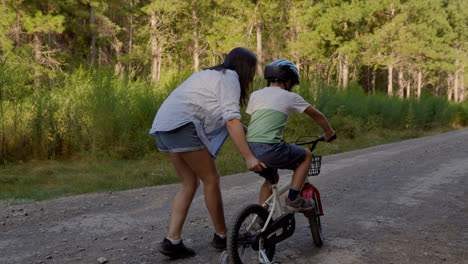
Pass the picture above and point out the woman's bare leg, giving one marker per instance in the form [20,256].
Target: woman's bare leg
[183,197]
[203,165]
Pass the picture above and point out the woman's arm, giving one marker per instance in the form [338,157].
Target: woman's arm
[321,120]
[236,131]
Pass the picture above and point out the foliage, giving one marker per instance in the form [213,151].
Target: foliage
[56,104]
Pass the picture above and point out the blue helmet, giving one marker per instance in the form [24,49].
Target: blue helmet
[282,70]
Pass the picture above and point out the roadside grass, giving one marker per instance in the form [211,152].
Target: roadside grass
[38,180]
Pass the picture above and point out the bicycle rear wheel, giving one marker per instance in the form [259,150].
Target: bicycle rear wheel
[315,226]
[240,237]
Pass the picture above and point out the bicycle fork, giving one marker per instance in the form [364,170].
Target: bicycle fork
[269,233]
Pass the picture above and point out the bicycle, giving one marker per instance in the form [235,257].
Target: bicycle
[253,233]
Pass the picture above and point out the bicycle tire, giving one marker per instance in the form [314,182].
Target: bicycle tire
[315,226]
[241,252]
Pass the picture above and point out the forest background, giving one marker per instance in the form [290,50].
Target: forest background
[81,80]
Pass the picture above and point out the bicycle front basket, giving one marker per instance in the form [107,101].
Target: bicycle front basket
[314,169]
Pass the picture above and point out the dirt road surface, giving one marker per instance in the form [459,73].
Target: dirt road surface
[398,203]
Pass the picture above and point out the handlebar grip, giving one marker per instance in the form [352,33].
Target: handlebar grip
[322,138]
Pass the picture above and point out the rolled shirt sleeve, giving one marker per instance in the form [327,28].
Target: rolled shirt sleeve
[228,97]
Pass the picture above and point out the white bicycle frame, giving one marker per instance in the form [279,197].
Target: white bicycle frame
[274,203]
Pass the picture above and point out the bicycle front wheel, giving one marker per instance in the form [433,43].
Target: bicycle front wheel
[245,226]
[315,226]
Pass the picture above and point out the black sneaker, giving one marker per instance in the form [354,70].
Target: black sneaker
[178,251]
[219,242]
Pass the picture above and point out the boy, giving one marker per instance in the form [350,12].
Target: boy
[269,109]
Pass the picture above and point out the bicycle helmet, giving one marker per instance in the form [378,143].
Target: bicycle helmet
[282,70]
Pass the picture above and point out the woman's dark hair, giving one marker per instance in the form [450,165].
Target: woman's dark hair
[243,62]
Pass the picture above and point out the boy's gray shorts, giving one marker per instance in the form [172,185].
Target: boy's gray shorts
[278,155]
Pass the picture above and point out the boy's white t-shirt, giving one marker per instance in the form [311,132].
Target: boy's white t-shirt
[269,109]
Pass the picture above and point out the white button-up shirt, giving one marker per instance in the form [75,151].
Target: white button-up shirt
[208,99]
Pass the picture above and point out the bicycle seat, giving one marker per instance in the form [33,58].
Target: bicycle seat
[269,173]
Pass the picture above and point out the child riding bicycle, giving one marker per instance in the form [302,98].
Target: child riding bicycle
[269,109]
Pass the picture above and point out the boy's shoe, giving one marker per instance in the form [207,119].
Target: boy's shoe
[299,205]
[219,242]
[178,251]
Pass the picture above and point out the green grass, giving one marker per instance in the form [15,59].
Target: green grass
[39,180]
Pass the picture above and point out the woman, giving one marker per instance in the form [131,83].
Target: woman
[191,125]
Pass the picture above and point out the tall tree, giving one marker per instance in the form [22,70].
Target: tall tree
[36,25]
[160,17]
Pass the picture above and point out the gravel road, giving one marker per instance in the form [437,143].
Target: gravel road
[404,202]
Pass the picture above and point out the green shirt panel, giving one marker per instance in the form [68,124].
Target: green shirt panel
[267,126]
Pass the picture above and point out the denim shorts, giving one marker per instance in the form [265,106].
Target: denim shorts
[278,156]
[182,139]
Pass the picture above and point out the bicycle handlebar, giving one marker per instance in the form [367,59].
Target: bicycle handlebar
[312,144]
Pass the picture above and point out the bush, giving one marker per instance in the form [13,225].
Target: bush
[96,114]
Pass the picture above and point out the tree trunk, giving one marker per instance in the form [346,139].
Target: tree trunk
[18,28]
[408,86]
[196,59]
[130,39]
[154,49]
[419,83]
[179,61]
[259,48]
[93,36]
[2,146]
[400,84]
[373,76]
[37,58]
[345,72]
[100,57]
[462,85]
[455,87]
[159,62]
[297,62]
[455,83]
[340,78]
[449,86]
[118,70]
[390,80]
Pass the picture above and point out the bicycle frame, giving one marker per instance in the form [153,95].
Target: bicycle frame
[274,203]
[269,232]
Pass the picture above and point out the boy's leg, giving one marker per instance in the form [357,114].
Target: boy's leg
[300,173]
[294,202]
[265,190]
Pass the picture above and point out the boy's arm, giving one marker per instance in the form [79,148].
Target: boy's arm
[236,131]
[321,120]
